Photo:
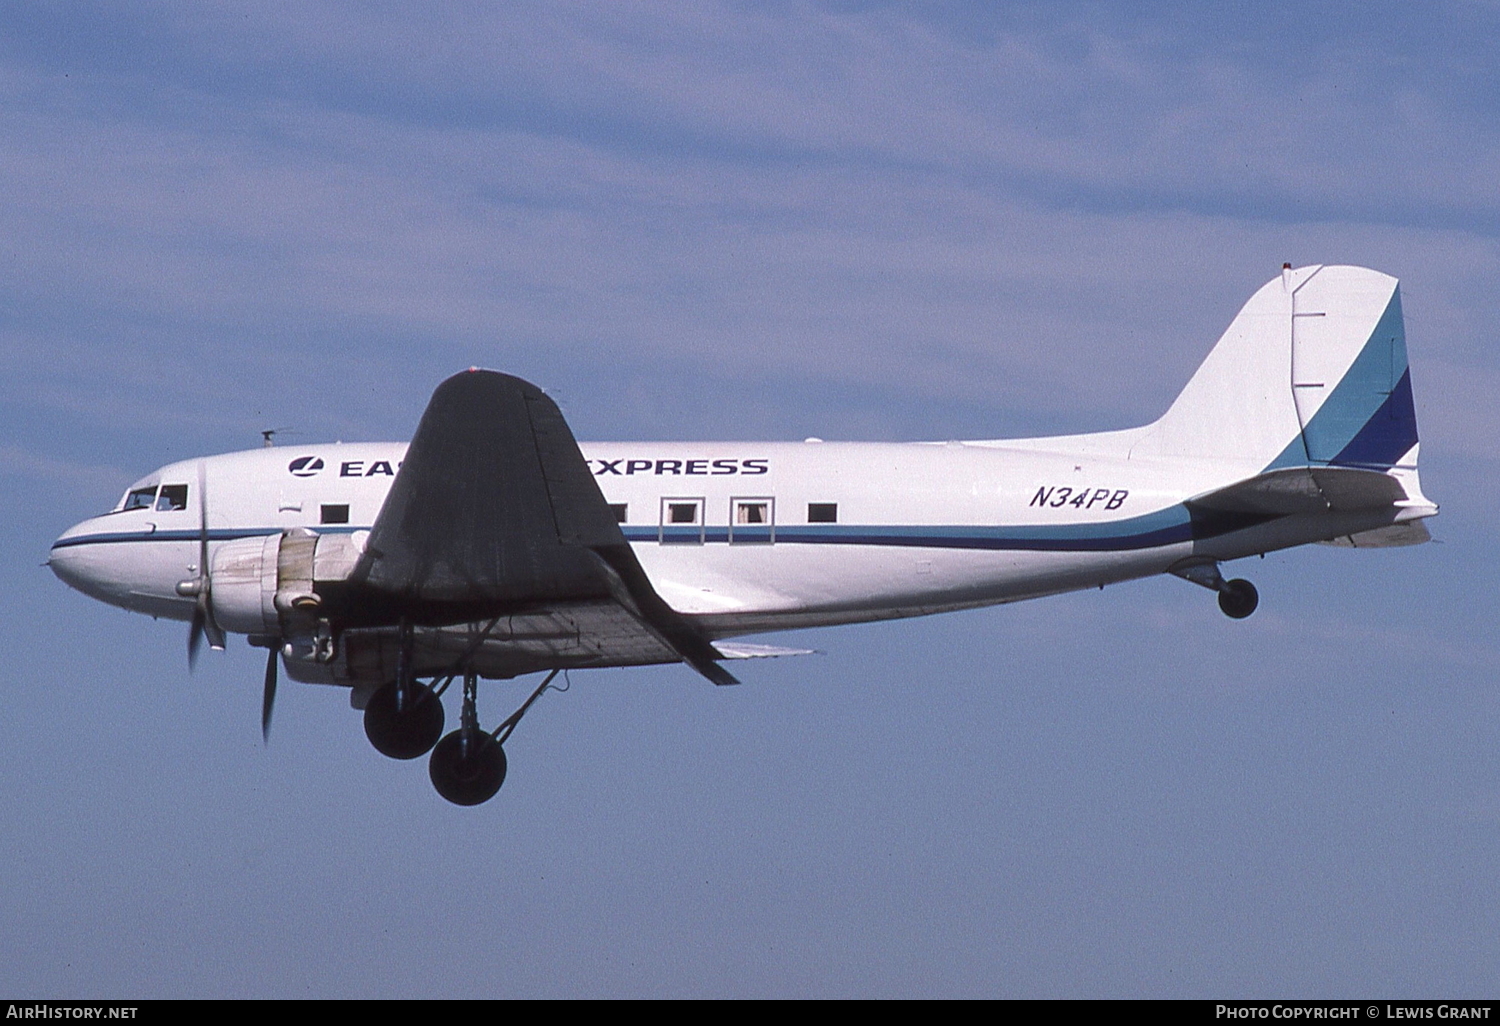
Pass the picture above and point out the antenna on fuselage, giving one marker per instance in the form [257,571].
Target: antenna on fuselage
[268,436]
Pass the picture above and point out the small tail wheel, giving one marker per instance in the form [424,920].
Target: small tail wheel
[1238,598]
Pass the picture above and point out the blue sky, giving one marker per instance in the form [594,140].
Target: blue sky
[751,221]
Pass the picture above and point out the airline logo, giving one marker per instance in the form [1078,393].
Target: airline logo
[309,466]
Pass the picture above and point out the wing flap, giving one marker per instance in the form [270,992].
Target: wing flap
[750,650]
[1391,537]
[578,635]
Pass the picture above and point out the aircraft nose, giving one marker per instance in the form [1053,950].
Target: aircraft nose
[77,563]
[123,564]
[62,560]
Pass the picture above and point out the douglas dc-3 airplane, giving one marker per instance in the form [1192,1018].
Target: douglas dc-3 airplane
[493,546]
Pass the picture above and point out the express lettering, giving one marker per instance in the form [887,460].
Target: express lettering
[679,468]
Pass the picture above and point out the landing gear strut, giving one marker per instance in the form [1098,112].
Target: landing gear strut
[1237,598]
[468,766]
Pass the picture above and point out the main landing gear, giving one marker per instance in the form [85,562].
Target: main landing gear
[1237,598]
[404,719]
[467,767]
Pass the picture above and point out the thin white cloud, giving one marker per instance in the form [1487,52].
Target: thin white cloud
[1071,103]
[866,197]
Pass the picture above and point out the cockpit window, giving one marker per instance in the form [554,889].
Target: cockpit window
[141,498]
[172,497]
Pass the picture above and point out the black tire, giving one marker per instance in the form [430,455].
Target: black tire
[1239,598]
[467,777]
[408,733]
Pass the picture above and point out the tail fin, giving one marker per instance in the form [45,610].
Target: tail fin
[1312,372]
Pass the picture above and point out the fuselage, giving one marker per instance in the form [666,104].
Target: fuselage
[748,537]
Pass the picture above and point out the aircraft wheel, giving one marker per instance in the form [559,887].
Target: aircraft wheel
[404,733]
[1239,598]
[467,771]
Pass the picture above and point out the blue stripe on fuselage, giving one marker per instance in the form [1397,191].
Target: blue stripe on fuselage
[1165,527]
[215,534]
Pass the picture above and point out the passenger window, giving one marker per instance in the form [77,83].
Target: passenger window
[822,512]
[335,514]
[681,522]
[752,520]
[172,497]
[141,498]
[618,509]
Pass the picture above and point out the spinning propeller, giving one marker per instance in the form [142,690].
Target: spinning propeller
[201,588]
[204,624]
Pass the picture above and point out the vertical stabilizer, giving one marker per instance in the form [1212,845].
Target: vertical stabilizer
[1312,372]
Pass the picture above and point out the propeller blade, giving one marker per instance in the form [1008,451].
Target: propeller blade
[268,699]
[195,636]
[202,526]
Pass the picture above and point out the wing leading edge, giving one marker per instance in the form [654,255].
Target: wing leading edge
[494,511]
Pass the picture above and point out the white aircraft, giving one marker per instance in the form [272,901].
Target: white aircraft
[493,545]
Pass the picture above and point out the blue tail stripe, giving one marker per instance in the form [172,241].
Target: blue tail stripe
[1387,436]
[1368,420]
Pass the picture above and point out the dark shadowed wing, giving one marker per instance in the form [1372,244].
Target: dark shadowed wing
[494,512]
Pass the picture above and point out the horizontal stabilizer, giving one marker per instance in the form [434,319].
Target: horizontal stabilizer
[1307,490]
[1394,536]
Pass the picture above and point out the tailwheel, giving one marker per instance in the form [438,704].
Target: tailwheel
[467,767]
[1238,598]
[404,723]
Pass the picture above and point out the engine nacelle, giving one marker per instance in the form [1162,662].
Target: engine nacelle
[243,585]
[268,585]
